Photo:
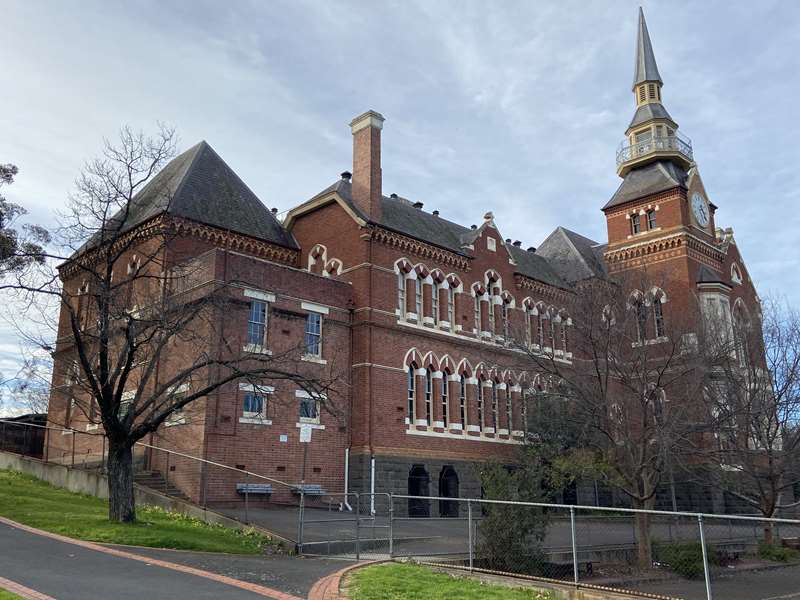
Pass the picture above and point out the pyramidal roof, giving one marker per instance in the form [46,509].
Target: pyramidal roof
[645,68]
[573,256]
[198,185]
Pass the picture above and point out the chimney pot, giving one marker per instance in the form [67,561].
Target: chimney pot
[517,243]
[392,195]
[531,249]
[436,213]
[274,211]
[346,175]
[473,226]
[508,240]
[418,205]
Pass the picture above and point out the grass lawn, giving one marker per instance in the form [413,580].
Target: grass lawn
[393,581]
[4,595]
[33,502]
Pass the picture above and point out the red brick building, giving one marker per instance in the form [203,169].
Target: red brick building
[420,309]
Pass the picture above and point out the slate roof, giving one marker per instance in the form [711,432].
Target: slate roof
[572,255]
[650,179]
[645,68]
[399,214]
[708,275]
[649,111]
[199,185]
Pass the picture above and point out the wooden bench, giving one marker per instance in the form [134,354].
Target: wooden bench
[258,489]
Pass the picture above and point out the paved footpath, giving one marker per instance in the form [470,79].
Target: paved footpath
[76,570]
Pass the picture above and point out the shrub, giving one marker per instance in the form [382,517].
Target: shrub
[684,559]
[777,553]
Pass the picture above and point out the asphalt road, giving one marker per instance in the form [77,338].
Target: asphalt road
[68,572]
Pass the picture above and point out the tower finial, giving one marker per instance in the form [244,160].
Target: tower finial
[646,68]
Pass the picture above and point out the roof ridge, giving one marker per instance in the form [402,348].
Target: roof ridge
[201,145]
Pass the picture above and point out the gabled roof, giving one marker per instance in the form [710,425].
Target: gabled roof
[645,68]
[400,215]
[648,112]
[650,179]
[198,185]
[572,255]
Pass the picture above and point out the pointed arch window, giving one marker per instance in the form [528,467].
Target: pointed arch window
[418,298]
[428,394]
[494,405]
[462,401]
[435,301]
[509,407]
[445,399]
[636,223]
[412,392]
[658,317]
[480,403]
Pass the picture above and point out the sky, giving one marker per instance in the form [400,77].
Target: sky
[514,107]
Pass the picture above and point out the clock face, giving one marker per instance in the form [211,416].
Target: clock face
[700,209]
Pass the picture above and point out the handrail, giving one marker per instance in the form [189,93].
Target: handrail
[174,452]
[627,151]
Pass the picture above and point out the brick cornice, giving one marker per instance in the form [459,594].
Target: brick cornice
[411,245]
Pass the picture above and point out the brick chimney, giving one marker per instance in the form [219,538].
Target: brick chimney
[367,192]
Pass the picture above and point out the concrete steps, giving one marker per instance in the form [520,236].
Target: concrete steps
[156,481]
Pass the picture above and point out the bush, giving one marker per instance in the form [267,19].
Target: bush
[777,553]
[684,559]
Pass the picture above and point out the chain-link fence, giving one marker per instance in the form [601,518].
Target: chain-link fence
[664,554]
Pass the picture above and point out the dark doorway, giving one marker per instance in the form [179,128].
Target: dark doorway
[418,485]
[448,488]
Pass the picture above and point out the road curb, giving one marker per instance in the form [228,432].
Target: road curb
[327,588]
[250,587]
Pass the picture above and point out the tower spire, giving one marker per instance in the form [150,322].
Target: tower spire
[646,69]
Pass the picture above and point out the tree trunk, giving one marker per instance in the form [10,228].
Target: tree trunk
[644,542]
[121,506]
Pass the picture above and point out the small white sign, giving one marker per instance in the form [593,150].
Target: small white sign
[305,433]
[284,438]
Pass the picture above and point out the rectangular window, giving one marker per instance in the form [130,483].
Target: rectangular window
[540,332]
[564,338]
[418,298]
[494,406]
[313,339]
[257,323]
[309,412]
[491,313]
[651,219]
[450,307]
[509,410]
[255,405]
[428,395]
[506,331]
[641,321]
[477,314]
[411,394]
[178,416]
[636,225]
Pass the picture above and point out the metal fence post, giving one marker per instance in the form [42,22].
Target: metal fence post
[246,497]
[391,525]
[72,460]
[166,475]
[469,534]
[300,522]
[574,545]
[358,527]
[705,557]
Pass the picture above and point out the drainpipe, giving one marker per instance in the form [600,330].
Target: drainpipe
[347,477]
[372,485]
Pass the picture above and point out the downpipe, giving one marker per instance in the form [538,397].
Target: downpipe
[372,485]
[347,478]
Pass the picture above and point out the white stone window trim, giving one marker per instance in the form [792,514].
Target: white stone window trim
[256,349]
[313,307]
[92,426]
[304,395]
[313,359]
[259,295]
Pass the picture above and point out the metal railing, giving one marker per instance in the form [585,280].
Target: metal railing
[662,553]
[668,143]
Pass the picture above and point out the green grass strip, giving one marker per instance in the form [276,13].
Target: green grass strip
[392,581]
[33,502]
[6,595]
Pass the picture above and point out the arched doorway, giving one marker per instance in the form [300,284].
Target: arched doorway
[448,488]
[418,485]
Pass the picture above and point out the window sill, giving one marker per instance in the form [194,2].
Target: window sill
[313,423]
[174,422]
[313,359]
[92,426]
[650,342]
[67,432]
[254,421]
[256,349]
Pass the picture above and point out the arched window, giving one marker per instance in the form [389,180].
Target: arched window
[540,327]
[401,294]
[418,297]
[412,392]
[509,407]
[564,335]
[658,317]
[462,401]
[451,298]
[445,399]
[428,394]
[480,404]
[435,301]
[494,405]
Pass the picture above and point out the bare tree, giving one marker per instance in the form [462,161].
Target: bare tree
[617,410]
[752,396]
[141,333]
